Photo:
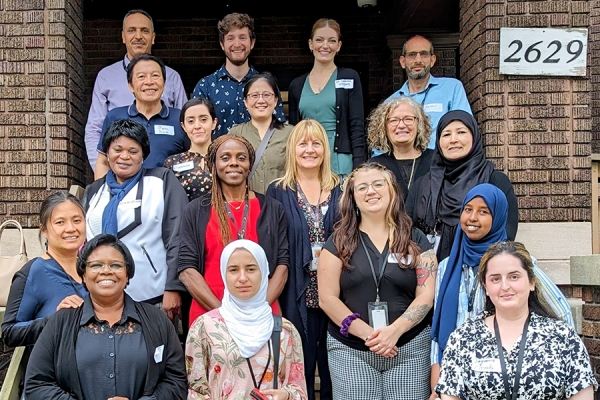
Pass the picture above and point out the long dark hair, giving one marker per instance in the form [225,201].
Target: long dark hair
[536,304]
[217,198]
[346,234]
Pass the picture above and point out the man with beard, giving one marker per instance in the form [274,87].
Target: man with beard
[437,96]
[111,89]
[225,87]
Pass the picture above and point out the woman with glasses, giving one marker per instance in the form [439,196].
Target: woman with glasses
[264,131]
[332,96]
[111,347]
[376,280]
[458,165]
[401,130]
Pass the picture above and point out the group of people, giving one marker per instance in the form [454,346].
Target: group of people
[226,217]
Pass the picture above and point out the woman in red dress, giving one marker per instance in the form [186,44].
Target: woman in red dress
[231,211]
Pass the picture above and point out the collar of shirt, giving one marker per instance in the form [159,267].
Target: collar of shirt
[132,110]
[433,81]
[126,62]
[129,311]
[222,73]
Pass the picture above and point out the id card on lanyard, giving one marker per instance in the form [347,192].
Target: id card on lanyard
[378,310]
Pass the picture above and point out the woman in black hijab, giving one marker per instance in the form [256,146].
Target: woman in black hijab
[458,165]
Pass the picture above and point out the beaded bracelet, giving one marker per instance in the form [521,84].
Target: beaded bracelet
[346,323]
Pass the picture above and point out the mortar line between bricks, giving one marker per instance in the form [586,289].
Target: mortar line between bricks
[47,112]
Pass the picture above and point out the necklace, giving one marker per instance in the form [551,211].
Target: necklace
[236,201]
[321,86]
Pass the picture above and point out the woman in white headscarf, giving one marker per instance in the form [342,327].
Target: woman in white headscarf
[229,350]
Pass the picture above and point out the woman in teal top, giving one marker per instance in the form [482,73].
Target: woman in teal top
[332,96]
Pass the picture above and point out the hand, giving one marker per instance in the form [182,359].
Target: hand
[276,394]
[172,304]
[72,301]
[383,341]
[434,396]
[118,398]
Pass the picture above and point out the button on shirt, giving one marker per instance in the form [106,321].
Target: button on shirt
[227,95]
[111,361]
[439,96]
[166,136]
[111,90]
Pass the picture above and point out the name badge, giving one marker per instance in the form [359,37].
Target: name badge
[344,83]
[164,130]
[378,314]
[185,166]
[158,353]
[487,365]
[129,205]
[404,261]
[433,107]
[316,252]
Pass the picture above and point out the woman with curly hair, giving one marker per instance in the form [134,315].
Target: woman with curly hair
[376,281]
[231,211]
[401,130]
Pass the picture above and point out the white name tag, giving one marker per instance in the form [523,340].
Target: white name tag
[185,166]
[158,353]
[316,252]
[394,260]
[487,365]
[344,83]
[129,205]
[164,130]
[433,107]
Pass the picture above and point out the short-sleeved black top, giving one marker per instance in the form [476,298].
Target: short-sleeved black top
[397,288]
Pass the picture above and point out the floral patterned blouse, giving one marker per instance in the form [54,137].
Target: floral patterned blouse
[216,370]
[316,232]
[187,168]
[556,364]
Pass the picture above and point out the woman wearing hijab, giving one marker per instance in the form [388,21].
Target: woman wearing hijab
[458,294]
[230,351]
[458,165]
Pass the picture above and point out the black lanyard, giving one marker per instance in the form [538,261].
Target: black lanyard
[382,264]
[266,368]
[511,394]
[425,97]
[240,233]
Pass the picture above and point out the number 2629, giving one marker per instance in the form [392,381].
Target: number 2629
[533,54]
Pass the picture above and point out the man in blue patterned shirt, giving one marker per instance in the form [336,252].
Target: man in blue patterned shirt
[225,87]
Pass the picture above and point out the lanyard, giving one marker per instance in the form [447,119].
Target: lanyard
[425,97]
[266,368]
[511,395]
[240,233]
[382,264]
[315,211]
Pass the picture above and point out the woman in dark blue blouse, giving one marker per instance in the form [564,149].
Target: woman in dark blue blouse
[309,192]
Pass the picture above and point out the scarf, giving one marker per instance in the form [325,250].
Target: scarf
[466,252]
[249,322]
[118,191]
[451,180]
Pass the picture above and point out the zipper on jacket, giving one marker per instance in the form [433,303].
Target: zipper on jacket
[148,257]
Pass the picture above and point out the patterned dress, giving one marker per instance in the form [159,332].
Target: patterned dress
[556,364]
[216,370]
[196,180]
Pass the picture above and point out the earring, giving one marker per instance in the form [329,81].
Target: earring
[357,212]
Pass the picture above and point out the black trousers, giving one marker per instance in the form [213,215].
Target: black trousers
[315,353]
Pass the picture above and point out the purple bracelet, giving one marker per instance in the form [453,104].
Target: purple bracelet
[346,323]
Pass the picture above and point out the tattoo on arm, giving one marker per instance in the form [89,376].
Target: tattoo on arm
[415,314]
[427,267]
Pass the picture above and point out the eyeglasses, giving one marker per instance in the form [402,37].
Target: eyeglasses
[377,185]
[409,120]
[413,54]
[266,96]
[97,266]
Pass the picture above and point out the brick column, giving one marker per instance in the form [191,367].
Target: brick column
[594,62]
[537,129]
[41,98]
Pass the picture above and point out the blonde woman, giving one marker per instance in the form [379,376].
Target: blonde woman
[309,192]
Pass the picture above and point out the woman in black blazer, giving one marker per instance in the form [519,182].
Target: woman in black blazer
[333,97]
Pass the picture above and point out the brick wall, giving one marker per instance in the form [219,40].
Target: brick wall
[537,129]
[594,62]
[40,122]
[282,43]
